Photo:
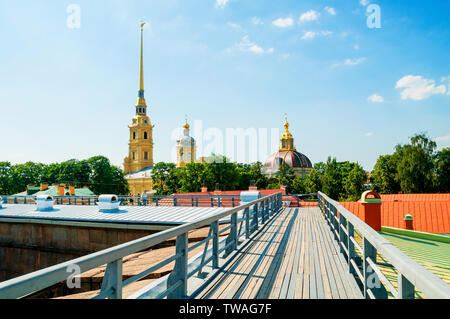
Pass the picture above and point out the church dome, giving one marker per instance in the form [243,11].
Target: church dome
[288,155]
[291,158]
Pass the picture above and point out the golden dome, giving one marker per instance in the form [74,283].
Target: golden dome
[186,126]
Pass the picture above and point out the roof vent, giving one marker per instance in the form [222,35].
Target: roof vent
[249,196]
[108,203]
[44,203]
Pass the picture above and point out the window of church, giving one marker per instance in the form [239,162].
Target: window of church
[145,155]
[145,135]
[134,135]
[134,157]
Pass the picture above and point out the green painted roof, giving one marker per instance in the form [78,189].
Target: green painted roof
[53,191]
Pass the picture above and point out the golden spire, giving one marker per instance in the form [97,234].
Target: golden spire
[141,100]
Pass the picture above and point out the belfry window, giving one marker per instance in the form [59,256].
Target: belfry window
[134,157]
[145,135]
[134,135]
[146,155]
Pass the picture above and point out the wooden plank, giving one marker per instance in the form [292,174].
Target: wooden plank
[329,272]
[332,253]
[237,280]
[323,266]
[317,269]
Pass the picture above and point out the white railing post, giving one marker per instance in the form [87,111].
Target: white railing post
[179,272]
[405,288]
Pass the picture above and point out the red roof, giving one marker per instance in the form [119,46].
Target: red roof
[430,212]
[415,197]
[264,192]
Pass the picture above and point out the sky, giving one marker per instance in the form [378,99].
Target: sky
[355,77]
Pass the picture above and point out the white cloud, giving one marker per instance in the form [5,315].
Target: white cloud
[364,2]
[350,62]
[257,21]
[283,22]
[331,11]
[442,139]
[376,98]
[417,88]
[310,15]
[286,55]
[369,134]
[245,45]
[221,3]
[446,79]
[234,25]
[356,47]
[309,35]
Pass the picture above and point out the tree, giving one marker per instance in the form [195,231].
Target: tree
[164,179]
[383,177]
[442,169]
[6,181]
[105,178]
[286,176]
[354,183]
[332,182]
[415,164]
[221,171]
[299,185]
[313,182]
[191,177]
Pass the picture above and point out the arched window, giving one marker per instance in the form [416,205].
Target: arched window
[145,155]
[134,157]
[145,135]
[134,135]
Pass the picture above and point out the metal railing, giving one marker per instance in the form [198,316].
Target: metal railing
[300,200]
[241,231]
[172,200]
[373,282]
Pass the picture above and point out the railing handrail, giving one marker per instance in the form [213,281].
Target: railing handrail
[41,279]
[425,281]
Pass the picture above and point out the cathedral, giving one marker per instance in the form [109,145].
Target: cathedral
[139,163]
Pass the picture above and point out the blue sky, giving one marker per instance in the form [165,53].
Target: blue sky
[350,91]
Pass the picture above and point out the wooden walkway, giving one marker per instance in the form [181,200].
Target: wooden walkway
[294,257]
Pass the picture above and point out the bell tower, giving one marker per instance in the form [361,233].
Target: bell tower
[140,154]
[186,147]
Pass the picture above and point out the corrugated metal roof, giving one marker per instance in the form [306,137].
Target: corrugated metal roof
[53,191]
[415,197]
[428,216]
[126,214]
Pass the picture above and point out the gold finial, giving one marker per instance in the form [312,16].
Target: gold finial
[286,123]
[186,125]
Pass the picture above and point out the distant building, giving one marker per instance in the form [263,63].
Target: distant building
[186,148]
[55,190]
[287,155]
[139,162]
